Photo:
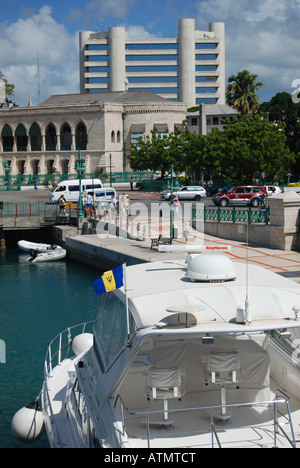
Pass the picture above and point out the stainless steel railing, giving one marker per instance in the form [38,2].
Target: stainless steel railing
[280,398]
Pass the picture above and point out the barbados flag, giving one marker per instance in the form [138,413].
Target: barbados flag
[109,281]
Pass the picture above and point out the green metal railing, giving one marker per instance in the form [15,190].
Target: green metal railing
[33,208]
[15,182]
[233,215]
[45,209]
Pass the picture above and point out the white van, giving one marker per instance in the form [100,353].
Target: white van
[70,189]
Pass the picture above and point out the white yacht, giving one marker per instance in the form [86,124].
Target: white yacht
[184,355]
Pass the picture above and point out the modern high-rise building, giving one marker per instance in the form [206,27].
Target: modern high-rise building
[189,68]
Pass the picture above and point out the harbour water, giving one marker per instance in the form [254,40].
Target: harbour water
[37,301]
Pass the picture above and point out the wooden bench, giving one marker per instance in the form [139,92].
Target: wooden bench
[160,240]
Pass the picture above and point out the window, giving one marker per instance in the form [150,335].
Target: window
[205,79]
[81,137]
[152,68]
[206,46]
[161,130]
[98,90]
[194,121]
[289,339]
[138,131]
[97,47]
[151,46]
[135,138]
[143,58]
[98,80]
[97,69]
[73,188]
[92,186]
[51,138]
[110,328]
[205,57]
[61,188]
[21,137]
[158,90]
[202,68]
[98,58]
[206,101]
[153,79]
[113,137]
[206,90]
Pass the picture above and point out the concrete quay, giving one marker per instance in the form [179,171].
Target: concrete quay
[108,253]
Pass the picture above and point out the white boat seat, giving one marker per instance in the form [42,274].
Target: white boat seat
[164,384]
[224,368]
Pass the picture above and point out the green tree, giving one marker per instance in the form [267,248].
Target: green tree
[282,109]
[241,92]
[9,87]
[248,147]
[192,145]
[158,153]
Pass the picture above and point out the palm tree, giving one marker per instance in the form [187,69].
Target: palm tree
[241,92]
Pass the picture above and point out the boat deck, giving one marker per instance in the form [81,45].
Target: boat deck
[58,429]
[191,428]
[248,427]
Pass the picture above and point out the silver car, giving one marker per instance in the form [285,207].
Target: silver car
[189,192]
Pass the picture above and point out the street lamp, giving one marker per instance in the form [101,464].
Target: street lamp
[5,163]
[6,170]
[80,167]
[110,175]
[171,210]
[65,155]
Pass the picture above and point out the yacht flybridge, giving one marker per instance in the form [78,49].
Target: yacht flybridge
[196,354]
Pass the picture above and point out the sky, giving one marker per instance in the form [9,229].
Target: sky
[39,38]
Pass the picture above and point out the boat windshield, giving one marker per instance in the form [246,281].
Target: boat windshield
[111,328]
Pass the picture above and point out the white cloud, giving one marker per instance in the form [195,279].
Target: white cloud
[137,32]
[39,38]
[261,36]
[115,8]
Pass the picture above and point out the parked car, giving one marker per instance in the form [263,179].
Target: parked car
[189,192]
[273,189]
[242,194]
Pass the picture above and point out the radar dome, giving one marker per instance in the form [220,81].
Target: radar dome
[210,267]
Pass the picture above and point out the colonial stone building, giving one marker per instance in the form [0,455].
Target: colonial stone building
[35,139]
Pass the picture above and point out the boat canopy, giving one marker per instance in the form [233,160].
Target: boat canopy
[153,299]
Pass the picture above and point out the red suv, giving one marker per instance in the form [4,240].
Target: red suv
[242,194]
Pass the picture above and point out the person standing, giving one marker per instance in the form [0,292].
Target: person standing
[113,207]
[263,206]
[88,204]
[62,205]
[175,206]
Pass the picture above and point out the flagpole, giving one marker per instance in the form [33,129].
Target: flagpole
[126,302]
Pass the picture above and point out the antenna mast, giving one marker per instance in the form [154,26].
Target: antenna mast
[38,72]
